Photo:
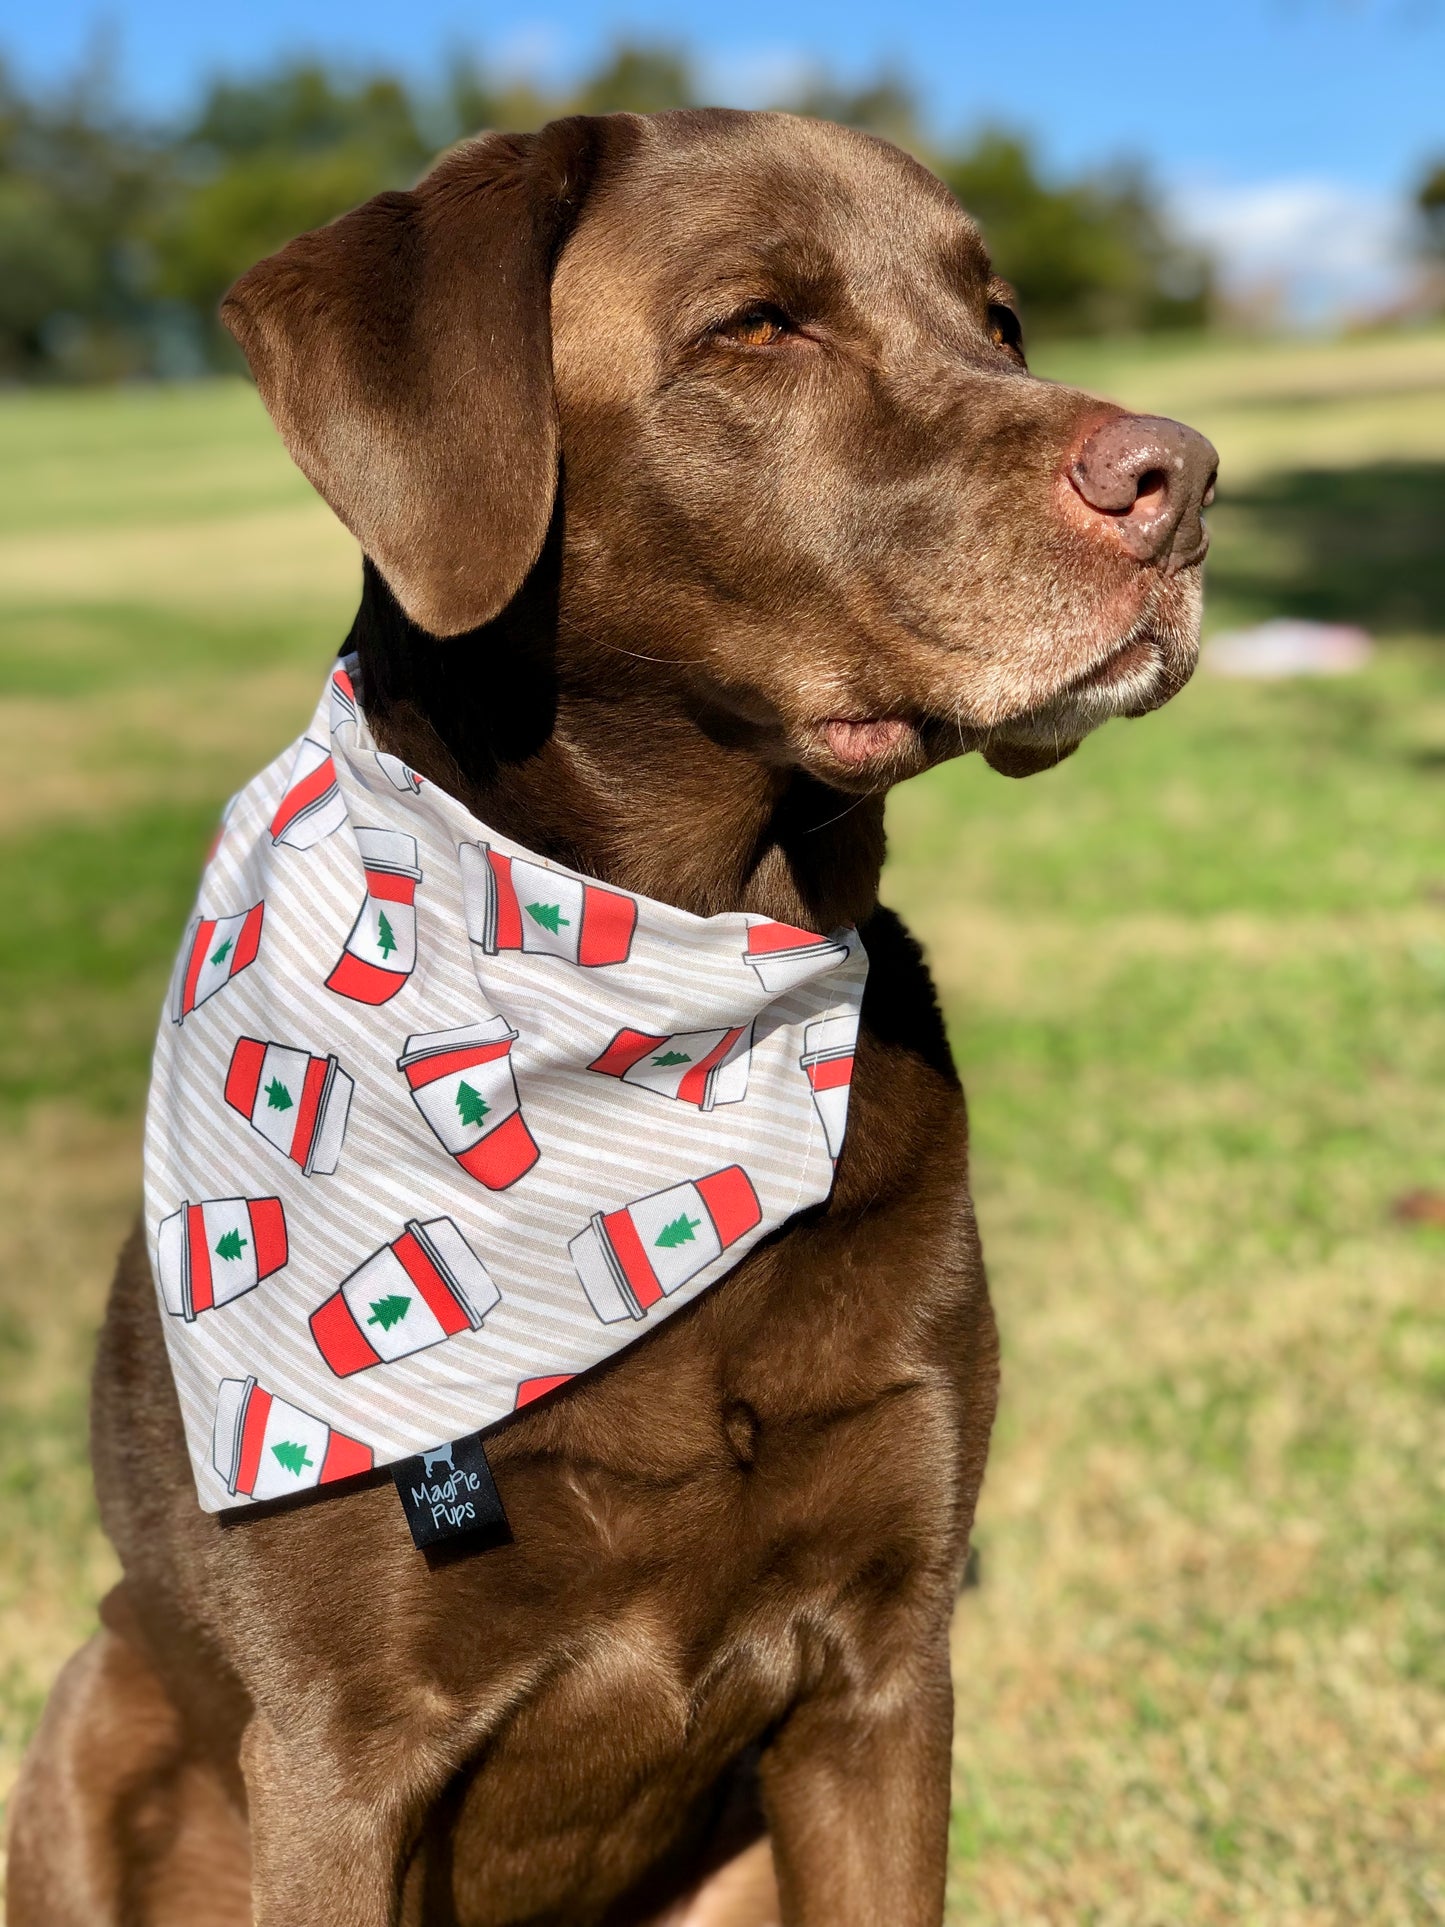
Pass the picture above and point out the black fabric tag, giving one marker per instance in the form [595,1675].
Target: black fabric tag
[448,1493]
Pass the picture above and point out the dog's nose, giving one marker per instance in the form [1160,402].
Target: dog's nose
[1147,478]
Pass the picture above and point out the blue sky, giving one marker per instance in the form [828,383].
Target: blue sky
[1286,130]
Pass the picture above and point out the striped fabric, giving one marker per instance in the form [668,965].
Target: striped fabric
[435,1124]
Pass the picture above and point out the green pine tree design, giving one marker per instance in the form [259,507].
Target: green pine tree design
[390,1310]
[385,941]
[278,1098]
[671,1057]
[218,955]
[549,915]
[230,1245]
[295,1458]
[472,1107]
[679,1232]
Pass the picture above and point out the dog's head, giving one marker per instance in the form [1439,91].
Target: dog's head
[805,471]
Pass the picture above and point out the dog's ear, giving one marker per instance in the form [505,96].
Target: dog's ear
[405,354]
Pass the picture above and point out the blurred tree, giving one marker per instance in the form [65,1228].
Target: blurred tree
[637,80]
[1429,297]
[1430,201]
[304,110]
[266,159]
[1086,258]
[75,186]
[116,242]
[470,102]
[886,106]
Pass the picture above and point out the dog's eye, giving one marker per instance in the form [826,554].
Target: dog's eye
[757,327]
[1004,330]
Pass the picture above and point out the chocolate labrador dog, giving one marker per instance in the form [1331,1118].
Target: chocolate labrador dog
[704,494]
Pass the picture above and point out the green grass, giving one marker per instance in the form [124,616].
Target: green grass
[125,457]
[102,903]
[1196,983]
[59,649]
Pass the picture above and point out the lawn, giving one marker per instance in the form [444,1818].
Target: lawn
[1196,982]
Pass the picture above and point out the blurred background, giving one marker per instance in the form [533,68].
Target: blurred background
[1195,976]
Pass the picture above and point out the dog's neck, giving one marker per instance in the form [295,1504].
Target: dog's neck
[598,760]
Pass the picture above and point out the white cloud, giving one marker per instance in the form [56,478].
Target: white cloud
[542,50]
[1326,248]
[530,50]
[755,77]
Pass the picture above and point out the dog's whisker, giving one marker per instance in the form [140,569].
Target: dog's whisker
[813,828]
[618,649]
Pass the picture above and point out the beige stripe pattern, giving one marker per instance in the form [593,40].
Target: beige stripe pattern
[582,1148]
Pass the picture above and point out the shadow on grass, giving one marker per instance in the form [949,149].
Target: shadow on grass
[1354,545]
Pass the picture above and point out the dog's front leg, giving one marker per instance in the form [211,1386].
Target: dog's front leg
[856,1788]
[328,1836]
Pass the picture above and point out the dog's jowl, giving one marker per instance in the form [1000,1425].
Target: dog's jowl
[540,1062]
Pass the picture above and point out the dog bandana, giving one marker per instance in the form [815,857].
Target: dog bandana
[435,1125]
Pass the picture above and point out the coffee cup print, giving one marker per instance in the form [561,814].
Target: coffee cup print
[296,1101]
[215,950]
[426,1286]
[784,956]
[700,1067]
[828,1048]
[313,806]
[400,775]
[627,1260]
[529,1390]
[218,835]
[515,905]
[380,953]
[342,707]
[462,1083]
[210,1253]
[265,1448]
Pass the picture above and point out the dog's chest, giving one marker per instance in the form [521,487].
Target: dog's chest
[666,1597]
[682,1627]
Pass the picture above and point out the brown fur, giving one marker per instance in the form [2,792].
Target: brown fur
[782,570]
